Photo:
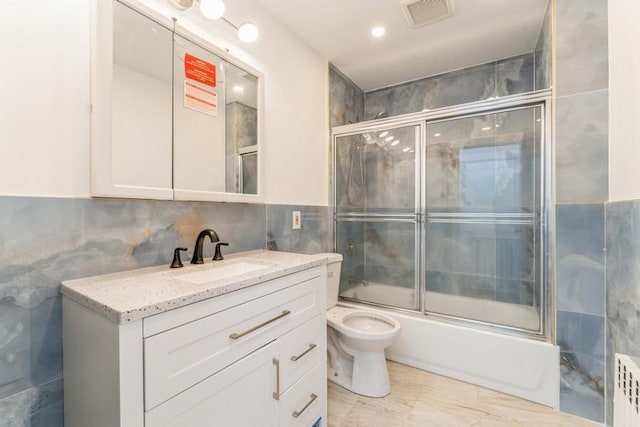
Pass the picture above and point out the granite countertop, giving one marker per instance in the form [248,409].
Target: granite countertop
[132,295]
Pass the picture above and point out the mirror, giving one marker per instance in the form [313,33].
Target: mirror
[215,116]
[173,118]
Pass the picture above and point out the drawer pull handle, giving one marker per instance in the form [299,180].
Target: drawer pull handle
[276,394]
[235,335]
[296,414]
[300,356]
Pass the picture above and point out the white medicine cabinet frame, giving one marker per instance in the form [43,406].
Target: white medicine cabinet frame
[144,141]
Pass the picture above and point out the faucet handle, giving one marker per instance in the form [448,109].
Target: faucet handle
[218,255]
[177,262]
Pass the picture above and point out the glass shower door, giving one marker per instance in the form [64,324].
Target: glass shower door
[483,205]
[376,228]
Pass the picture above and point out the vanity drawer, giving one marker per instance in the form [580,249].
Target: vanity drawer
[301,349]
[177,359]
[303,403]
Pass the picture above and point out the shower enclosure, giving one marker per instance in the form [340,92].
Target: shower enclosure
[445,212]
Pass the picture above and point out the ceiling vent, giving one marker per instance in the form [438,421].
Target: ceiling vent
[423,12]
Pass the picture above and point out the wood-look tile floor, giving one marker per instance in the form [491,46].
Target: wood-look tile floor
[423,399]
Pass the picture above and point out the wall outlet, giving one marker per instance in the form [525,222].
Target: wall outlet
[296,220]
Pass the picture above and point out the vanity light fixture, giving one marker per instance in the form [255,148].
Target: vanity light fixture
[214,9]
[248,32]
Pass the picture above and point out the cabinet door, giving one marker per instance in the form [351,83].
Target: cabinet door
[199,122]
[240,395]
[131,141]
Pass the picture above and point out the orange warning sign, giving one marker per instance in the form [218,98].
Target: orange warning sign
[199,70]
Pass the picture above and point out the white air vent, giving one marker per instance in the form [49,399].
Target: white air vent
[423,12]
[626,394]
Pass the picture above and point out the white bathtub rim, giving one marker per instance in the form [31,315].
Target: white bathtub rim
[539,382]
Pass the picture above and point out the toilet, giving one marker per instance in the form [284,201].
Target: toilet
[356,339]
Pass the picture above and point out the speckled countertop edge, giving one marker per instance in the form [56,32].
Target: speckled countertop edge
[132,295]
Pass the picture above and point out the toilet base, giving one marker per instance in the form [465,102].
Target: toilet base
[362,372]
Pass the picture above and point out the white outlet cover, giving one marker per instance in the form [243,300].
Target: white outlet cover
[296,220]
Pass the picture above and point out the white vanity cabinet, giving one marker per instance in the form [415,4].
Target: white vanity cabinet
[251,357]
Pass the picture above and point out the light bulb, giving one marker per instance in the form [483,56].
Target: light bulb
[378,31]
[248,32]
[212,9]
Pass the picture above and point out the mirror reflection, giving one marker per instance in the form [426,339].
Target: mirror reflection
[186,113]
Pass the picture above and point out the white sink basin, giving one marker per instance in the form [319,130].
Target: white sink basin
[219,272]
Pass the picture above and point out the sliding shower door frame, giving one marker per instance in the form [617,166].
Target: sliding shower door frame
[546,251]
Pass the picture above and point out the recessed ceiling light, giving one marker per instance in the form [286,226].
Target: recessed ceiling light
[238,89]
[396,142]
[486,128]
[389,138]
[378,31]
[383,134]
[437,134]
[406,149]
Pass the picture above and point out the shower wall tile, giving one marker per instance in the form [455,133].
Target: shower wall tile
[543,53]
[458,87]
[499,78]
[313,237]
[515,75]
[580,281]
[346,99]
[581,46]
[350,242]
[45,241]
[582,148]
[623,286]
[390,253]
[581,338]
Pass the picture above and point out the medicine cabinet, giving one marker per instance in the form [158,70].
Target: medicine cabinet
[172,116]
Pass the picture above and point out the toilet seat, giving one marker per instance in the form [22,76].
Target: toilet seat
[365,325]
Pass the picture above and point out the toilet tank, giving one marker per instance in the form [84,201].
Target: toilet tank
[334,262]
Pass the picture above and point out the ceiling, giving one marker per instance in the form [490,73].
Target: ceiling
[480,31]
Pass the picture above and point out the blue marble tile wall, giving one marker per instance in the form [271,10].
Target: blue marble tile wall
[623,286]
[543,52]
[499,78]
[346,99]
[45,241]
[314,235]
[581,178]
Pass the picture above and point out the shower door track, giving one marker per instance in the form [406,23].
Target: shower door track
[546,221]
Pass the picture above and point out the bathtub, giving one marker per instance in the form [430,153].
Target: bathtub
[521,367]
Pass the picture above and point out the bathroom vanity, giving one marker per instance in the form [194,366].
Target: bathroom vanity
[239,342]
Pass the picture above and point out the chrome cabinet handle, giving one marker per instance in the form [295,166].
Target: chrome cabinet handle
[276,394]
[236,335]
[296,414]
[311,347]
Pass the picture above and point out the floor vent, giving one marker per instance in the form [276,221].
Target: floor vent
[423,12]
[626,394]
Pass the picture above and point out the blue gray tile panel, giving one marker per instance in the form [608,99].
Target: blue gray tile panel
[623,286]
[499,78]
[45,241]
